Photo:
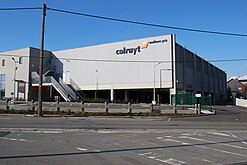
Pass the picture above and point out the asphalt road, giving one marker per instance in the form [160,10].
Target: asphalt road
[217,139]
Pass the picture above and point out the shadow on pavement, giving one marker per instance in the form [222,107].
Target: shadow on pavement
[110,151]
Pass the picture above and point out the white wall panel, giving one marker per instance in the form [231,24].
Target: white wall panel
[130,72]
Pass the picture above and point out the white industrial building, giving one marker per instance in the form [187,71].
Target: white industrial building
[134,70]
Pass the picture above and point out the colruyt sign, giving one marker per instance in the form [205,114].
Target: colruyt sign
[135,50]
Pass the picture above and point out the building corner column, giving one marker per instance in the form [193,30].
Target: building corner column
[126,95]
[173,56]
[112,94]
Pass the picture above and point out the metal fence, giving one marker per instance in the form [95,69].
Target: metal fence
[206,103]
[94,107]
[188,99]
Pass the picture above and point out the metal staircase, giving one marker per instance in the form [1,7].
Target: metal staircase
[71,93]
[62,88]
[59,88]
[49,80]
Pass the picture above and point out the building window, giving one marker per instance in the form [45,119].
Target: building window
[2,86]
[20,60]
[3,62]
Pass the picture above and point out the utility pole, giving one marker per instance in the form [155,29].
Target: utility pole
[41,61]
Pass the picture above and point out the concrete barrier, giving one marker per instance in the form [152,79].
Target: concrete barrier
[241,102]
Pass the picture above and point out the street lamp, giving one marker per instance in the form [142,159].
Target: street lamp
[14,76]
[154,102]
[97,84]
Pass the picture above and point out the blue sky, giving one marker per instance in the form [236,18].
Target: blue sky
[20,29]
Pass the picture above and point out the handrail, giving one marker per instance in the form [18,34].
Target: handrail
[64,94]
[74,85]
[55,84]
[68,89]
[76,88]
[35,78]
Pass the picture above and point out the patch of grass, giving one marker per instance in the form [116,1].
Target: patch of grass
[12,111]
[86,114]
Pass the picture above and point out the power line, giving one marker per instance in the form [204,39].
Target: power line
[150,61]
[120,61]
[128,21]
[20,8]
[148,24]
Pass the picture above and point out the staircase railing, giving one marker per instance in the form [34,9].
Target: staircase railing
[35,78]
[74,85]
[68,89]
[60,89]
[77,89]
[54,83]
